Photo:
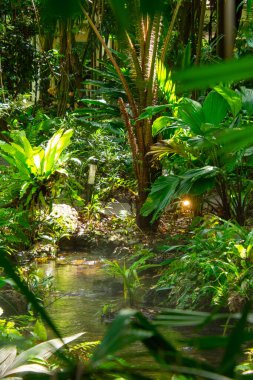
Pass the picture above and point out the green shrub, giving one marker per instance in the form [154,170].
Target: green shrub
[215,269]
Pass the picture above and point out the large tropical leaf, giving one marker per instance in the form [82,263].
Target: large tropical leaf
[160,124]
[206,76]
[22,141]
[163,191]
[63,143]
[247,99]
[50,151]
[165,83]
[191,113]
[152,110]
[232,97]
[165,147]
[12,364]
[58,142]
[235,139]
[215,108]
[15,158]
[166,189]
[130,326]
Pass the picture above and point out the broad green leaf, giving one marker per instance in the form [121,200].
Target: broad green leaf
[28,150]
[188,183]
[63,142]
[166,189]
[7,356]
[233,98]
[19,149]
[160,124]
[50,151]
[25,186]
[34,368]
[202,185]
[235,139]
[247,99]
[163,191]
[215,108]
[12,364]
[165,83]
[152,110]
[96,102]
[206,172]
[43,350]
[206,76]
[191,113]
[58,142]
[38,157]
[15,157]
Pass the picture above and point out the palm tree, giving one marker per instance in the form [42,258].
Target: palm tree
[142,36]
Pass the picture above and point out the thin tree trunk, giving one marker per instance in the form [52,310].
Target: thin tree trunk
[225,28]
[200,32]
[65,51]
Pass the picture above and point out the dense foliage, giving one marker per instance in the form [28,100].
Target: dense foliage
[126,88]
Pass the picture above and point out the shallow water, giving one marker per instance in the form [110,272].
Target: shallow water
[81,292]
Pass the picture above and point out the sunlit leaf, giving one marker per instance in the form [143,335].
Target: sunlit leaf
[152,110]
[160,124]
[210,75]
[233,98]
[215,108]
[191,113]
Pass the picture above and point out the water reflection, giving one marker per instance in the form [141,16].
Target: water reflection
[81,292]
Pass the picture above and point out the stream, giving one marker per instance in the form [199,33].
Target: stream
[82,290]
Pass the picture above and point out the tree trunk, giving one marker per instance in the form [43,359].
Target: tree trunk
[226,27]
[65,51]
[47,44]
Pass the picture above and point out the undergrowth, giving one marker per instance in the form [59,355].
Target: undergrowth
[214,269]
